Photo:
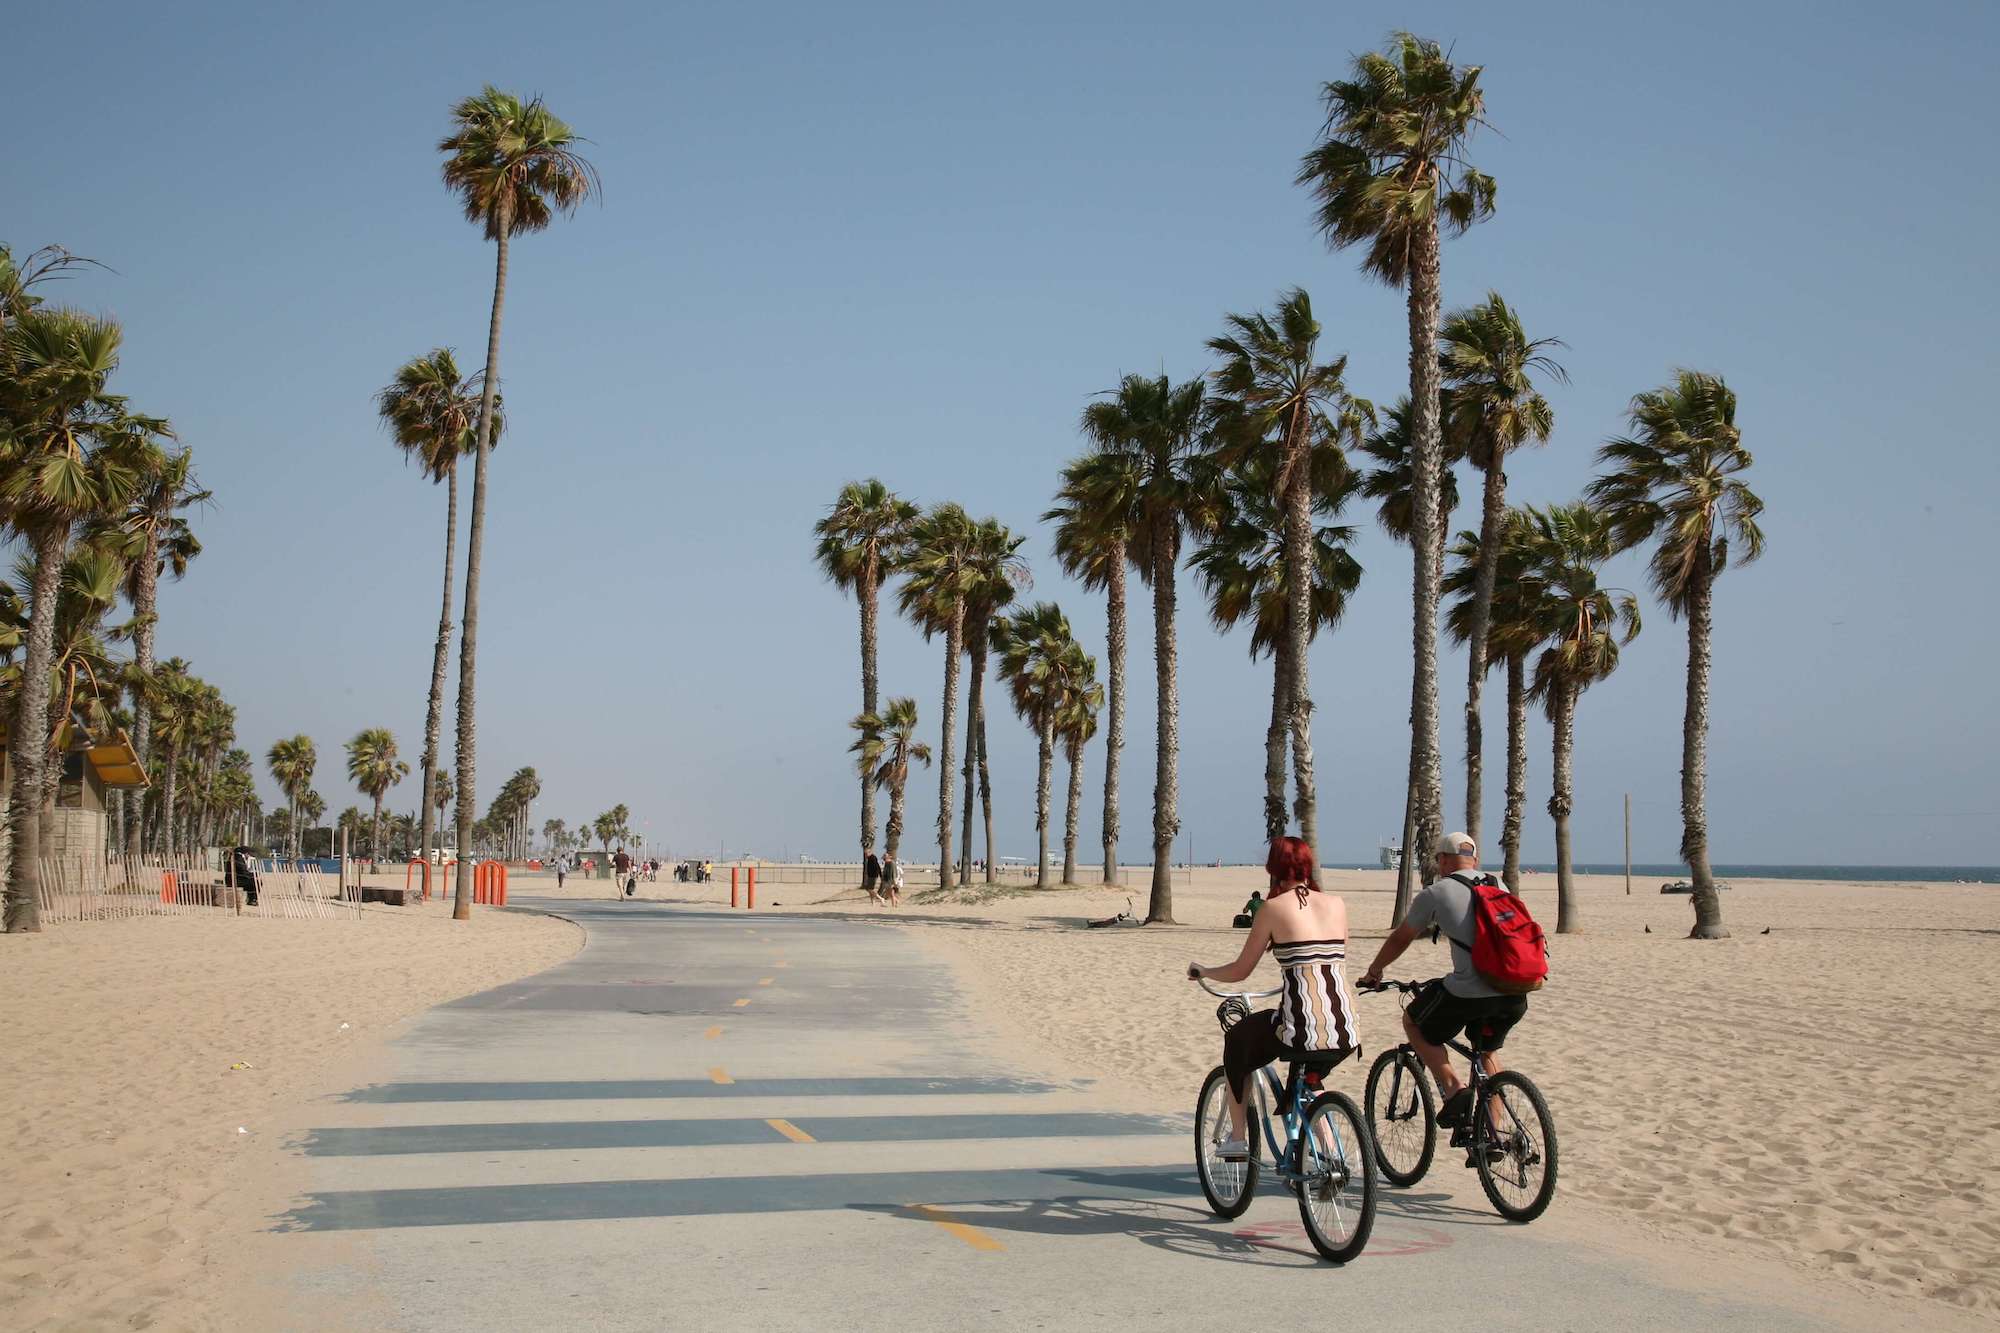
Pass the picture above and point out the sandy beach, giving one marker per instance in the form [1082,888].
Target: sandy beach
[1799,1094]
[146,1058]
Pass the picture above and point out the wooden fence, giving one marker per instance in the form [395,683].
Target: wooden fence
[110,888]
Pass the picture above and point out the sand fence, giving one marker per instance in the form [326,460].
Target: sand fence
[111,888]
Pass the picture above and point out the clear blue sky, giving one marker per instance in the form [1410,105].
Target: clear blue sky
[911,241]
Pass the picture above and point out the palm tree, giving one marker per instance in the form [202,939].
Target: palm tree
[1095,512]
[1675,480]
[1280,400]
[998,573]
[1390,172]
[292,763]
[374,767]
[1040,661]
[432,411]
[176,699]
[153,538]
[939,572]
[1492,409]
[514,165]
[1581,624]
[861,541]
[1511,635]
[1161,429]
[60,445]
[1242,563]
[1076,723]
[1393,483]
[885,746]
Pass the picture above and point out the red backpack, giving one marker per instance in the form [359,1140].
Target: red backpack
[1508,949]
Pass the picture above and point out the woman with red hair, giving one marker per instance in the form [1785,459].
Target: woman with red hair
[1314,1020]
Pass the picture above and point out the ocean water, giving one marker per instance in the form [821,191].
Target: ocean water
[1676,871]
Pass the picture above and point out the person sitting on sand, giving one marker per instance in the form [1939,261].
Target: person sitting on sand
[1248,915]
[1451,1004]
[1307,930]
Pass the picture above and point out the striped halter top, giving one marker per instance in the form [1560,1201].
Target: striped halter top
[1315,1012]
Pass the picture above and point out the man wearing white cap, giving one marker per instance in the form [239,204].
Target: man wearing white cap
[1464,999]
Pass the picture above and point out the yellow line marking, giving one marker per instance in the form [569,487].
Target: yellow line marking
[741,1003]
[781,963]
[765,981]
[791,1131]
[971,1235]
[716,1075]
[713,1033]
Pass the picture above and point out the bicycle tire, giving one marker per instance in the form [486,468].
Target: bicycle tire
[1211,1126]
[1333,1117]
[1542,1144]
[1396,1127]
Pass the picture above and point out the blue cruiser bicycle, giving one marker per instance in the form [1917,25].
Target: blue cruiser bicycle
[1326,1157]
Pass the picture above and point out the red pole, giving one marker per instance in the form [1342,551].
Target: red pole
[752,904]
[732,886]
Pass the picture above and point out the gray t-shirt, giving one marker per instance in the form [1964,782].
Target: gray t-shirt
[1447,904]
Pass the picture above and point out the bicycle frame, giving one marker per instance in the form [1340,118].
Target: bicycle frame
[1267,1091]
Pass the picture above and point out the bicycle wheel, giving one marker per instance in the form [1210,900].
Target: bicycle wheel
[1515,1148]
[1230,1186]
[1402,1116]
[1336,1168]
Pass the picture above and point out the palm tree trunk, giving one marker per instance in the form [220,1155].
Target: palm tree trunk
[28,741]
[892,836]
[1070,811]
[986,794]
[434,720]
[1492,513]
[375,832]
[145,613]
[1426,468]
[168,793]
[1409,860]
[1166,768]
[1044,773]
[954,646]
[868,592]
[1275,817]
[1517,768]
[468,642]
[1114,731]
[975,706]
[1694,753]
[1298,629]
[1563,716]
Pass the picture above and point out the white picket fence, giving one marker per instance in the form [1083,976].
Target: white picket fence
[110,888]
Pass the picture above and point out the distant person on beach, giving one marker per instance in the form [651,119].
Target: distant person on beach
[892,881]
[871,876]
[562,869]
[621,866]
[1462,1001]
[1248,915]
[1306,928]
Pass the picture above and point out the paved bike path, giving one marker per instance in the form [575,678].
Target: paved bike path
[728,1121]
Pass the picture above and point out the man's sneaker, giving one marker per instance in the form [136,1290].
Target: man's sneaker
[1454,1110]
[1233,1150]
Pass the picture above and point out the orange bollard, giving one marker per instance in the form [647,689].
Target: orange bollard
[732,886]
[170,887]
[752,902]
[502,900]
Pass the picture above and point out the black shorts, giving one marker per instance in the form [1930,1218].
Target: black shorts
[1440,1016]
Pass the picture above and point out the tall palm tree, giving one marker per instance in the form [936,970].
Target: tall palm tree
[1278,398]
[1390,173]
[292,763]
[177,708]
[1076,723]
[1492,408]
[1243,565]
[432,411]
[1162,430]
[860,542]
[1095,513]
[1583,625]
[885,747]
[514,165]
[999,573]
[1512,633]
[1041,663]
[1676,480]
[62,462]
[1392,482]
[374,767]
[939,572]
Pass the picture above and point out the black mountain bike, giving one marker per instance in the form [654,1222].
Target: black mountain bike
[1510,1137]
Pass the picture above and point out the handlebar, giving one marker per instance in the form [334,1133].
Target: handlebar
[1407,987]
[1235,994]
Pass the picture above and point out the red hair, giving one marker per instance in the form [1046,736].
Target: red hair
[1290,862]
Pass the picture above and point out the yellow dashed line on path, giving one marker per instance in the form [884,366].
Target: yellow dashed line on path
[765,981]
[713,1033]
[781,963]
[971,1235]
[716,1075]
[791,1131]
[741,1003]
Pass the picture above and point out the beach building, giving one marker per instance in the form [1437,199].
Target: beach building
[74,820]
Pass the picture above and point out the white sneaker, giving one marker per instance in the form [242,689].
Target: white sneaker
[1233,1150]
